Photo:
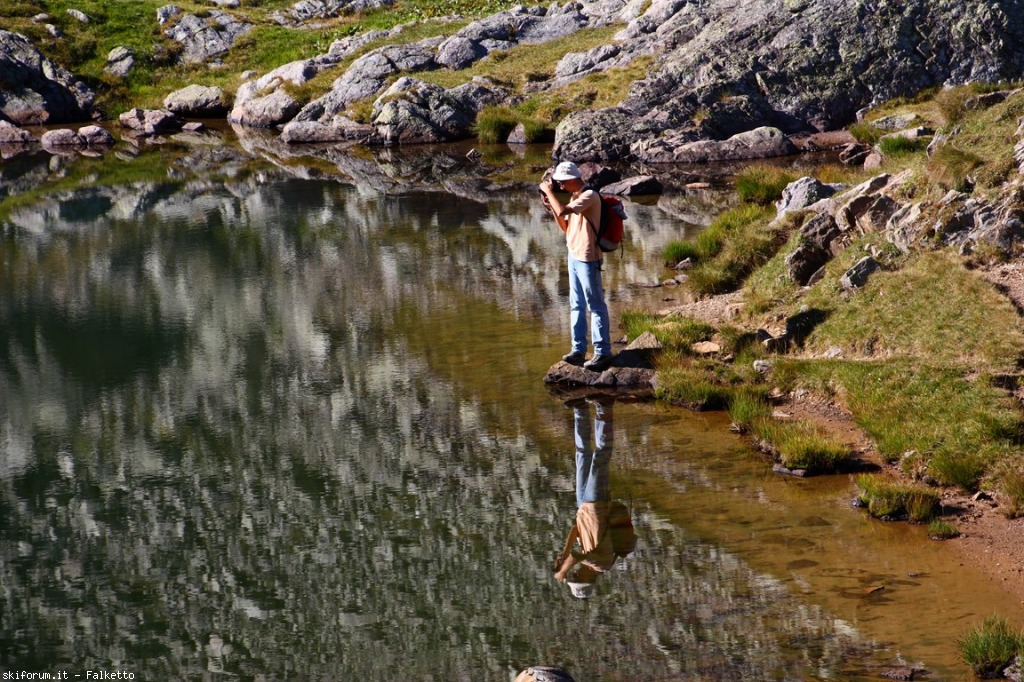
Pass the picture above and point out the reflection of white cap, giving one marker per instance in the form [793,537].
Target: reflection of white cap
[543,673]
[582,590]
[567,170]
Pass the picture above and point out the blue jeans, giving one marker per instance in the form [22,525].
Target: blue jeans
[592,477]
[585,292]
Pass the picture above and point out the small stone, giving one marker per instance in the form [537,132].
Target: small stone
[79,15]
[684,264]
[646,341]
[833,352]
[706,348]
[763,366]
[54,31]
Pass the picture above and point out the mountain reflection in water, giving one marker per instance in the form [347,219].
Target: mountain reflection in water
[285,429]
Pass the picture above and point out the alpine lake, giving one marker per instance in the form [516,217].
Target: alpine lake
[278,414]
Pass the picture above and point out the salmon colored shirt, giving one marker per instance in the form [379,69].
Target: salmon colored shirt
[595,540]
[580,236]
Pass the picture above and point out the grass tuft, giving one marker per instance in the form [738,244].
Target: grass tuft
[865,133]
[940,529]
[887,498]
[676,334]
[763,184]
[740,240]
[990,647]
[801,446]
[951,168]
[1010,483]
[900,146]
[493,124]
[683,384]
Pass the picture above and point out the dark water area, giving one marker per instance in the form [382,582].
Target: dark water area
[275,426]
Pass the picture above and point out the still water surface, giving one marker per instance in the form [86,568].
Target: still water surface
[291,429]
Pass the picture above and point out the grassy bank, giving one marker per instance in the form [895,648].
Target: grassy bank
[921,356]
[83,47]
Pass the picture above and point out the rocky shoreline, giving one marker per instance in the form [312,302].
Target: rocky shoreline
[729,80]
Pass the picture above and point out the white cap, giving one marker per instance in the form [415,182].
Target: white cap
[582,590]
[567,170]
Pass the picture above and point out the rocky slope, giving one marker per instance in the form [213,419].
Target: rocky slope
[722,69]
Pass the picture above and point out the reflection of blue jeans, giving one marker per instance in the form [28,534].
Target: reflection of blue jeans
[585,292]
[592,465]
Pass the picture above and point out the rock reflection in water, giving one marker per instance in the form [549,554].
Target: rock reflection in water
[311,473]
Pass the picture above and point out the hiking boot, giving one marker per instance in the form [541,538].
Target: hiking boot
[598,363]
[575,358]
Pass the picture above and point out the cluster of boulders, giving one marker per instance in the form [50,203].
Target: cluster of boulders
[838,216]
[731,80]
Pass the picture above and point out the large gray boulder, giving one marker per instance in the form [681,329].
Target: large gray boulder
[120,61]
[306,10]
[205,38]
[197,101]
[758,143]
[414,112]
[368,75]
[805,65]
[150,121]
[602,135]
[12,134]
[35,90]
[265,112]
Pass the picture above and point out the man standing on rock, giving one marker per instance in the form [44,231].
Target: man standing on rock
[579,220]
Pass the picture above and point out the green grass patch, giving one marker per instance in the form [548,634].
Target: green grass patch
[951,167]
[493,124]
[740,240]
[748,408]
[990,647]
[932,308]
[940,529]
[712,239]
[803,446]
[885,497]
[958,426]
[762,183]
[900,146]
[1009,481]
[865,133]
[770,286]
[676,334]
[681,383]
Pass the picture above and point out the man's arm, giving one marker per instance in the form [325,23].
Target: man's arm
[566,560]
[558,211]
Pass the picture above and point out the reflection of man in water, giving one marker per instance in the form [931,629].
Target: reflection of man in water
[597,553]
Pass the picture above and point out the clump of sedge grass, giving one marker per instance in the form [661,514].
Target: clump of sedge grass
[748,408]
[1010,483]
[887,498]
[676,334]
[990,647]
[897,146]
[493,124]
[710,242]
[865,133]
[940,529]
[748,241]
[762,184]
[800,446]
[691,387]
[951,167]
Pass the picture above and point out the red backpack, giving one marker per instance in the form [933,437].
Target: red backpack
[611,230]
